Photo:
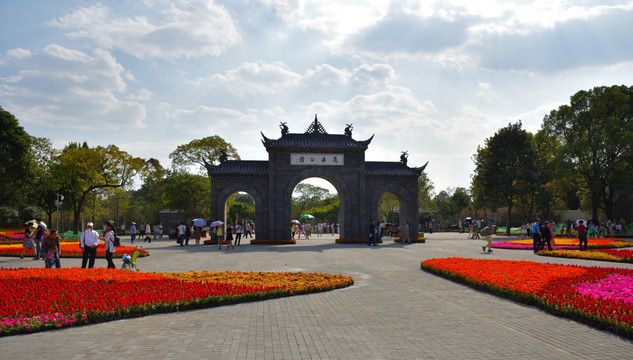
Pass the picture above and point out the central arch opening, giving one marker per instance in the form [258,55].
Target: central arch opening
[389,214]
[315,210]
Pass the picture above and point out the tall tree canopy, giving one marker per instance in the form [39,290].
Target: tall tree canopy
[15,146]
[596,137]
[505,167]
[82,170]
[197,151]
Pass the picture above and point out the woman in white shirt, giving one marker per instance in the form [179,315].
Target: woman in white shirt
[108,238]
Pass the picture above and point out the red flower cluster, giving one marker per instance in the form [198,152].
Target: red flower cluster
[550,286]
[71,249]
[37,299]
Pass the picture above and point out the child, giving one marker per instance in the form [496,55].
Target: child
[49,259]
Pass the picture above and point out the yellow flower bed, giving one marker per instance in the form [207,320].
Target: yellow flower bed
[295,283]
[587,255]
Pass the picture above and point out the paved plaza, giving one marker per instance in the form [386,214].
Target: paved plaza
[394,311]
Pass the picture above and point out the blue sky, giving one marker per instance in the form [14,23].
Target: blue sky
[434,78]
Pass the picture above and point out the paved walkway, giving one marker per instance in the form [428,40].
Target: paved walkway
[394,311]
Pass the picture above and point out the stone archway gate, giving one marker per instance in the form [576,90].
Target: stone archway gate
[337,158]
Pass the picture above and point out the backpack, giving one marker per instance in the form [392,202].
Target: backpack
[117,240]
[485,231]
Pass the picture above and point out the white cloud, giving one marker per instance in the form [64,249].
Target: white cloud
[62,87]
[204,120]
[18,54]
[325,74]
[376,74]
[180,29]
[254,78]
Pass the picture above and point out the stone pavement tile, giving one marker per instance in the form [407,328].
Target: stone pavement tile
[394,311]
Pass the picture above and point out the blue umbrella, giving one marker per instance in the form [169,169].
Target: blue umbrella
[199,222]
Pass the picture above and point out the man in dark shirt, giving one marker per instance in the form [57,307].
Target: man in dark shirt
[582,234]
[372,234]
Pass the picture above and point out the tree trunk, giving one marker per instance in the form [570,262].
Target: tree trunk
[509,216]
[595,203]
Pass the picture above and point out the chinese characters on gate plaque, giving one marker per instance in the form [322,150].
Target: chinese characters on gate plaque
[316,159]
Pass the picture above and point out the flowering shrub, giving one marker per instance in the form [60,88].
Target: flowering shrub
[413,240]
[600,296]
[40,299]
[70,249]
[273,242]
[565,243]
[593,254]
[353,241]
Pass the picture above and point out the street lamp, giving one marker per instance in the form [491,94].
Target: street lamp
[59,200]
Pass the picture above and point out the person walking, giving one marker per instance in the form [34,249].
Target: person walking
[372,233]
[238,233]
[487,232]
[88,242]
[108,245]
[196,232]
[405,236]
[220,235]
[182,230]
[148,232]
[29,233]
[307,229]
[471,230]
[582,234]
[51,244]
[247,230]
[229,237]
[39,234]
[133,232]
[545,237]
[536,235]
[188,234]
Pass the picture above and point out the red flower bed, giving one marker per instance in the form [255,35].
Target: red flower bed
[40,299]
[71,249]
[573,291]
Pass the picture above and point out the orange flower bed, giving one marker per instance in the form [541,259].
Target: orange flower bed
[413,240]
[353,241]
[598,295]
[40,299]
[273,242]
[295,283]
[70,249]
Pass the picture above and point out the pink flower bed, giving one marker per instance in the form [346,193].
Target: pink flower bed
[614,287]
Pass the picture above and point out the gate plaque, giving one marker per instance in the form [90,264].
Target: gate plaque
[317,159]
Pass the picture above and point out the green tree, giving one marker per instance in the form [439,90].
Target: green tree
[15,145]
[596,135]
[189,193]
[389,208]
[199,151]
[240,208]
[328,210]
[505,167]
[425,192]
[43,186]
[82,171]
[306,196]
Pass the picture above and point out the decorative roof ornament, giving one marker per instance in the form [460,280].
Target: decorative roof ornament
[284,128]
[404,157]
[348,130]
[316,127]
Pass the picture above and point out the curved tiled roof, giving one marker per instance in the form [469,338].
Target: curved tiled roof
[315,141]
[239,167]
[391,168]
